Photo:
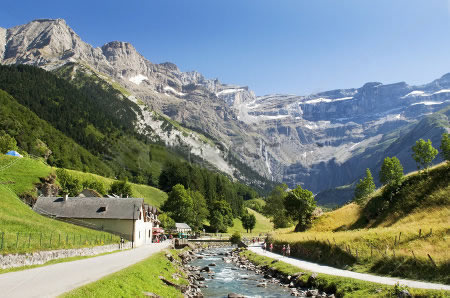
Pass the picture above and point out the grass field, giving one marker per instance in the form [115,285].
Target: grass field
[340,286]
[135,280]
[396,240]
[22,227]
[263,225]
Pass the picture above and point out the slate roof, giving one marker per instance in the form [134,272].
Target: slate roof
[182,225]
[111,208]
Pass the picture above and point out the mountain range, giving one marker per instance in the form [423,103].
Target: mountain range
[321,141]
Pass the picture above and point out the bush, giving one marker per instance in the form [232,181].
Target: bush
[236,238]
[121,188]
[69,184]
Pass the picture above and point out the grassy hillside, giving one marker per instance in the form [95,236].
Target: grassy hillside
[24,230]
[386,237]
[263,224]
[397,143]
[151,195]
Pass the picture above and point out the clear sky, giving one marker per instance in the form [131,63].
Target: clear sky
[273,46]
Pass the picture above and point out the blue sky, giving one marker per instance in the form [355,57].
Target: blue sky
[276,46]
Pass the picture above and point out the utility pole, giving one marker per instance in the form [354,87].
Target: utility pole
[132,236]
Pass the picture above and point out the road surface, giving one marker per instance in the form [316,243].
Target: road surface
[345,273]
[54,280]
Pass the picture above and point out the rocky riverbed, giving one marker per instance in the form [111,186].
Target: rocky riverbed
[221,272]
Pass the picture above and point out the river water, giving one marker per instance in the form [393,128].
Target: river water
[229,278]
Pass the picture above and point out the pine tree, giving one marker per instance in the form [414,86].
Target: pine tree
[445,146]
[364,188]
[391,171]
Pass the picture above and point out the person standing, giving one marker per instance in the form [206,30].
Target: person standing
[271,247]
[288,250]
[284,250]
[264,246]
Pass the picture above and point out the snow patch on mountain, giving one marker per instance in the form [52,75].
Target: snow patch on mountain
[138,79]
[173,91]
[428,103]
[415,93]
[442,91]
[321,99]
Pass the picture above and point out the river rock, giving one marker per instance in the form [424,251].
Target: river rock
[205,269]
[403,294]
[311,293]
[234,295]
[312,279]
[212,265]
[262,285]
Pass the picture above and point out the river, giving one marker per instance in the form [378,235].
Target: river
[229,278]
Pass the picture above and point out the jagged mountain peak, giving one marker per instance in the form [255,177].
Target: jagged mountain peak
[291,138]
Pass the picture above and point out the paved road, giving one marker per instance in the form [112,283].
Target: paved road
[345,273]
[54,280]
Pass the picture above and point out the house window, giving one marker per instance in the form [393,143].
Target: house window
[139,234]
[101,209]
[149,233]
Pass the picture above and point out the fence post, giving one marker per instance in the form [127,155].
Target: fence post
[51,236]
[67,239]
[399,235]
[395,241]
[29,240]
[74,238]
[3,237]
[431,231]
[420,233]
[80,239]
[40,241]
[431,260]
[17,239]
[59,240]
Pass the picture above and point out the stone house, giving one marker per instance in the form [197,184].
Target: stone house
[183,228]
[128,217]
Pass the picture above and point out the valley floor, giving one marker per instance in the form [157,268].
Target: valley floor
[54,280]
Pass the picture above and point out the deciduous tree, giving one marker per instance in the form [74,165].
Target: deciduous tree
[248,221]
[300,203]
[179,205]
[424,153]
[7,142]
[391,171]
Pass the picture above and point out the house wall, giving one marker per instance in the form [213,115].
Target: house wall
[124,227]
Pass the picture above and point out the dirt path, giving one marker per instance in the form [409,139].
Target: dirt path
[314,267]
[54,280]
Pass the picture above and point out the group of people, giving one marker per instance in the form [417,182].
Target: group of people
[286,250]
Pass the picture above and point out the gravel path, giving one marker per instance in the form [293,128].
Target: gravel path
[54,280]
[345,273]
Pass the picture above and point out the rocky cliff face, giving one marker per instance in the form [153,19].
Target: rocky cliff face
[321,140]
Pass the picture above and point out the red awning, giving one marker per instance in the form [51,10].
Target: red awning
[157,231]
